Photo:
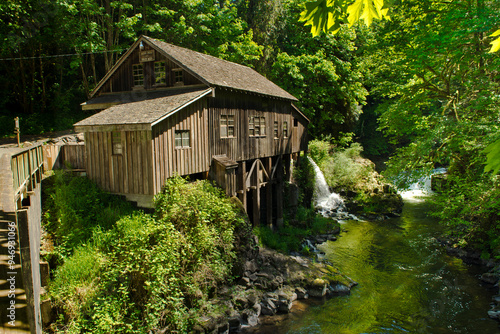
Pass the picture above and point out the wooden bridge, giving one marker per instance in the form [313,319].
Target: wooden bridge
[21,172]
[22,275]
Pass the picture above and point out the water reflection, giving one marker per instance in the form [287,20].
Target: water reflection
[408,284]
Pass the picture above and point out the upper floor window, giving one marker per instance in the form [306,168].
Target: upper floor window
[116,141]
[138,74]
[295,122]
[227,126]
[257,126]
[160,73]
[182,139]
[276,134]
[285,129]
[178,76]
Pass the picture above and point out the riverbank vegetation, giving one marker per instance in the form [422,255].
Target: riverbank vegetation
[123,270]
[421,90]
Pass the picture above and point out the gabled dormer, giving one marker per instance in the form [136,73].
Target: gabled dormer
[143,67]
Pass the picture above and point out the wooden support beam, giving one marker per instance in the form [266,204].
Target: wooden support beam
[269,195]
[279,194]
[256,198]
[243,194]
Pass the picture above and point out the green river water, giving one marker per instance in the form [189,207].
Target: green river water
[407,283]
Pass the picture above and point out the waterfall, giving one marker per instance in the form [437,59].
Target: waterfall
[417,191]
[328,204]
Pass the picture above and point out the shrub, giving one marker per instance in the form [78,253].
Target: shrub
[75,207]
[344,169]
[319,150]
[150,271]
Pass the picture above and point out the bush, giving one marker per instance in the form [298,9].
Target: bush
[344,169]
[319,150]
[290,237]
[469,207]
[150,271]
[75,207]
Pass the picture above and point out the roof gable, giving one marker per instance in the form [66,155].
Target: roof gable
[212,71]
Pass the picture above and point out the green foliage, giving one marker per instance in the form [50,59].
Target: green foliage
[469,206]
[76,208]
[319,150]
[493,157]
[344,169]
[290,237]
[304,176]
[327,15]
[147,271]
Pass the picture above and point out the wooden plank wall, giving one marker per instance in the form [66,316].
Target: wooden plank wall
[242,146]
[183,161]
[127,173]
[59,155]
[122,80]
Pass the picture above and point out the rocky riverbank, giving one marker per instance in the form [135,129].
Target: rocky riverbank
[271,283]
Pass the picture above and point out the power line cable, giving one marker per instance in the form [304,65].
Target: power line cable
[59,56]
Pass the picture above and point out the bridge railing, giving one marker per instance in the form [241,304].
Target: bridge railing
[20,170]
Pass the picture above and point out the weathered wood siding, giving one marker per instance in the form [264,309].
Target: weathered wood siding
[129,172]
[245,147]
[122,80]
[183,161]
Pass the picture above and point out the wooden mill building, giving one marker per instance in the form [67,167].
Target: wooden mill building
[164,110]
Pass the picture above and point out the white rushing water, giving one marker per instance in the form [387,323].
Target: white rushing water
[328,204]
[421,189]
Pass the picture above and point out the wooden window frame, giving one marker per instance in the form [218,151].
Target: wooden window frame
[276,130]
[181,137]
[285,129]
[116,143]
[138,75]
[160,73]
[227,128]
[257,126]
[178,76]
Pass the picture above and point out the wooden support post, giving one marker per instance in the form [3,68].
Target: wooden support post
[243,177]
[288,174]
[279,195]
[269,194]
[30,270]
[256,196]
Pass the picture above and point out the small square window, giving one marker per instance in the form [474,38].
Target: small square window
[116,140]
[138,74]
[178,77]
[257,126]
[182,139]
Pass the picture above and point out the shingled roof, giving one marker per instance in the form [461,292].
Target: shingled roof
[212,71]
[148,111]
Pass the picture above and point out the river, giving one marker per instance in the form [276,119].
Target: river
[407,283]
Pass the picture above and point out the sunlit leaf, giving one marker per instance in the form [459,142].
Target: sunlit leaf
[493,157]
[495,45]
[324,16]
